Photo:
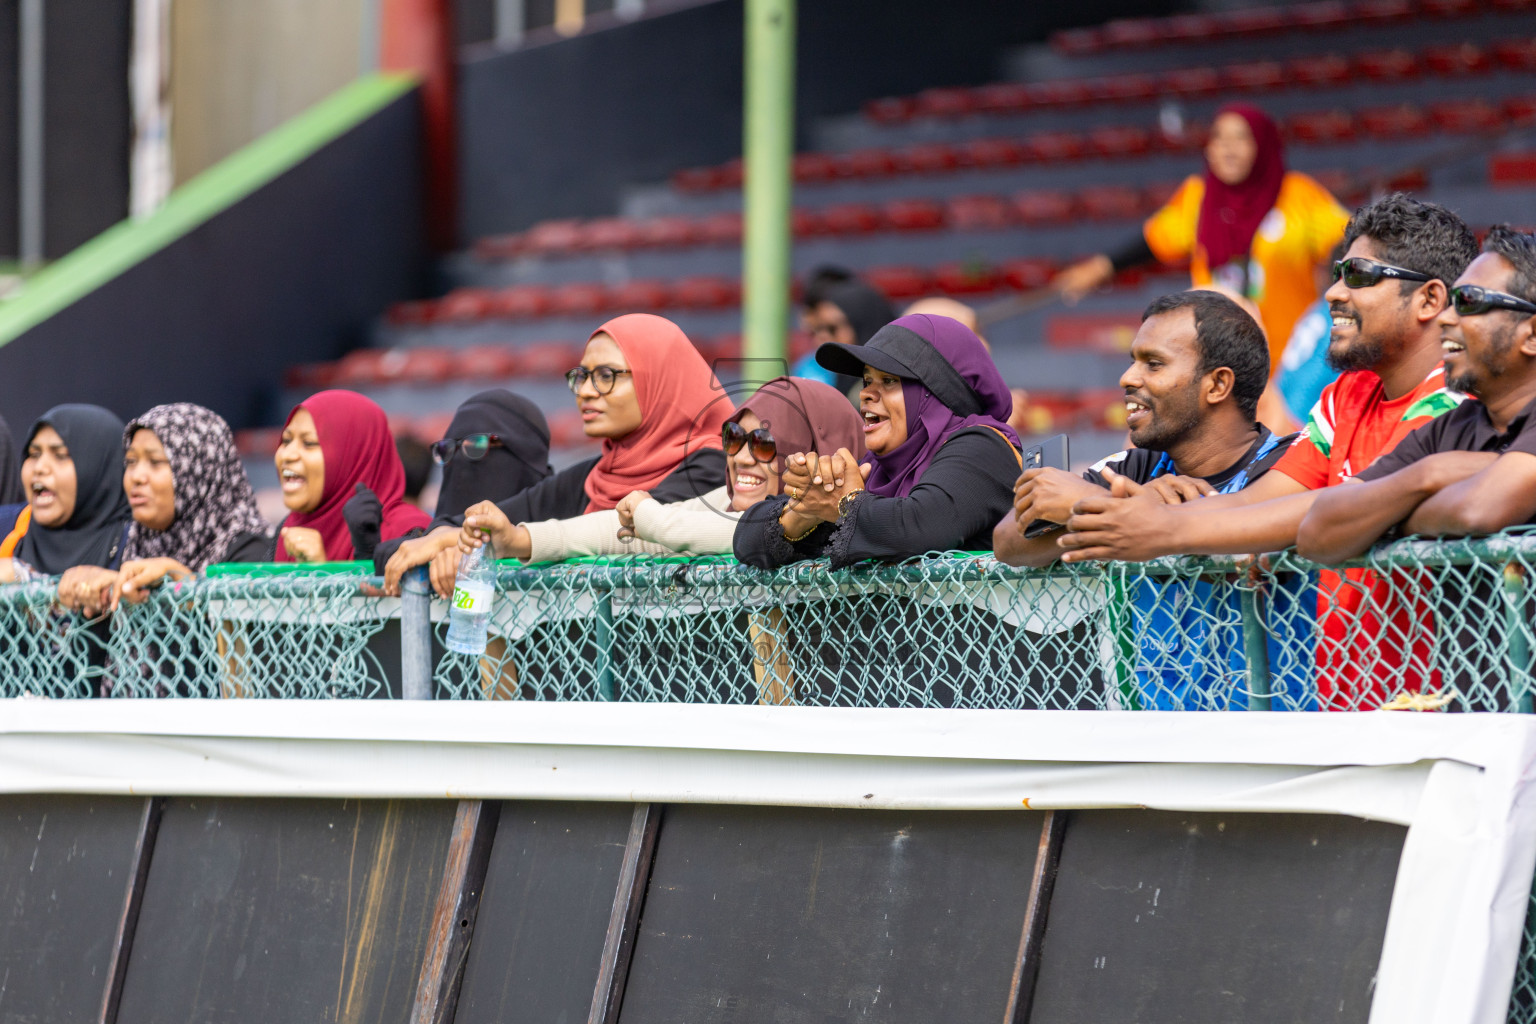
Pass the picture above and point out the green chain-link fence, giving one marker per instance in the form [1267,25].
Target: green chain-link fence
[1453,618]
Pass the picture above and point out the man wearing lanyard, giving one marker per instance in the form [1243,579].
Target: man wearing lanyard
[1199,365]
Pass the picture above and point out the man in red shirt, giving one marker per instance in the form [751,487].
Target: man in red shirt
[1388,290]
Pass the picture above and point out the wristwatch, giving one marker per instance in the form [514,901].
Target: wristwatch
[846,502]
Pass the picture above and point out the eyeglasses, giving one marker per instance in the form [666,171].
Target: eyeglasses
[602,378]
[1470,300]
[763,447]
[1359,272]
[474,446]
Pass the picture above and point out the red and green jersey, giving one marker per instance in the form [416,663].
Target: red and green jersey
[1377,635]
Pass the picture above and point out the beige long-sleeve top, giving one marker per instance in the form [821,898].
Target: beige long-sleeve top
[699,526]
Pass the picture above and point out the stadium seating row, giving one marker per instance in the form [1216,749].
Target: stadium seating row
[1123,142]
[1319,16]
[1323,70]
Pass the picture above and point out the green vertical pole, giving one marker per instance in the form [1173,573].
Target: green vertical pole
[768,145]
[1519,640]
[603,637]
[1255,647]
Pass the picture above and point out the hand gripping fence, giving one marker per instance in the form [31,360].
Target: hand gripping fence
[1430,623]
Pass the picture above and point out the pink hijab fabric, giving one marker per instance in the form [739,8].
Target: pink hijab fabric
[681,410]
[358,448]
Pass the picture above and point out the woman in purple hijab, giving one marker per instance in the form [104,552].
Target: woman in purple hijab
[942,459]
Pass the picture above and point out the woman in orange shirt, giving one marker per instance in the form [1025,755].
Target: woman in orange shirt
[1246,224]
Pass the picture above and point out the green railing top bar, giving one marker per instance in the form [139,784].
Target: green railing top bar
[129,242]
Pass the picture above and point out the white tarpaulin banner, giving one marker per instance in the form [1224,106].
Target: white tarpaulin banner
[1459,782]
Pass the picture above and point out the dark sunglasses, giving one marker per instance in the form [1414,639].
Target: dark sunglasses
[474,447]
[1359,272]
[763,447]
[1470,300]
[602,377]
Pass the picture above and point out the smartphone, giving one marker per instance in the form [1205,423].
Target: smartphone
[1050,452]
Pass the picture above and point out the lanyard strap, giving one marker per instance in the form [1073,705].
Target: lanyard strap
[1165,466]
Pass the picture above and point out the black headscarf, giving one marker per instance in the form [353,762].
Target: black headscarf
[10,470]
[521,461]
[94,533]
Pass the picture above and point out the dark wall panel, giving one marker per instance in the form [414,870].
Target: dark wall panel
[557,130]
[65,866]
[9,243]
[88,124]
[287,910]
[293,273]
[760,915]
[544,912]
[1170,918]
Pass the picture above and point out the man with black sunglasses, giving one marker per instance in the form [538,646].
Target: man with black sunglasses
[1473,470]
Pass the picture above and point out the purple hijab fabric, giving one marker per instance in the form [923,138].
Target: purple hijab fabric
[929,421]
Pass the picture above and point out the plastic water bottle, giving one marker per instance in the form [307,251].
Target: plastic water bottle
[469,614]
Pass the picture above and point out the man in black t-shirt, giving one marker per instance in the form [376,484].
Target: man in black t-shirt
[1472,470]
[1199,365]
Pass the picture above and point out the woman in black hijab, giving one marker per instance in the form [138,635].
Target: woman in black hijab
[497,446]
[72,473]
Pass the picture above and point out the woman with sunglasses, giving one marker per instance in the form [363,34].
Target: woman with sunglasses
[1247,223]
[784,416]
[497,447]
[647,394]
[942,458]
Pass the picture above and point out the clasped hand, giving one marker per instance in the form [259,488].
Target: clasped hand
[816,483]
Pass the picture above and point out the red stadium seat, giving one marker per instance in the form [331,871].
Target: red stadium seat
[609,233]
[1395,122]
[1521,110]
[309,376]
[546,358]
[1457,59]
[721,228]
[1320,126]
[890,110]
[1328,69]
[1111,202]
[707,292]
[1464,117]
[804,223]
[1448,8]
[485,362]
[852,219]
[565,429]
[1053,147]
[914,215]
[945,103]
[260,441]
[1382,12]
[900,282]
[1003,98]
[1320,16]
[1077,42]
[1061,93]
[994,152]
[1254,77]
[639,297]
[1341,185]
[813,168]
[1518,169]
[1127,33]
[1388,65]
[929,158]
[1512,6]
[411,314]
[1124,88]
[721,346]
[1119,142]
[1095,332]
[981,213]
[553,236]
[870,163]
[1157,194]
[966,278]
[730,173]
[427,429]
[696,179]
[1190,28]
[1252,21]
[463,304]
[1044,207]
[579,299]
[498,247]
[416,366]
[1192,82]
[668,232]
[1026,275]
[359,367]
[1516,54]
[522,302]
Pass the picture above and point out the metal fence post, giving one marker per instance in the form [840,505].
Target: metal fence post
[1255,647]
[416,635]
[604,636]
[1516,628]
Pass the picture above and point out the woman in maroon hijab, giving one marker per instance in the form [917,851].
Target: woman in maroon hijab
[1247,225]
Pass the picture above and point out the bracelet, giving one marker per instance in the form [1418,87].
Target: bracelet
[846,502]
[796,540]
